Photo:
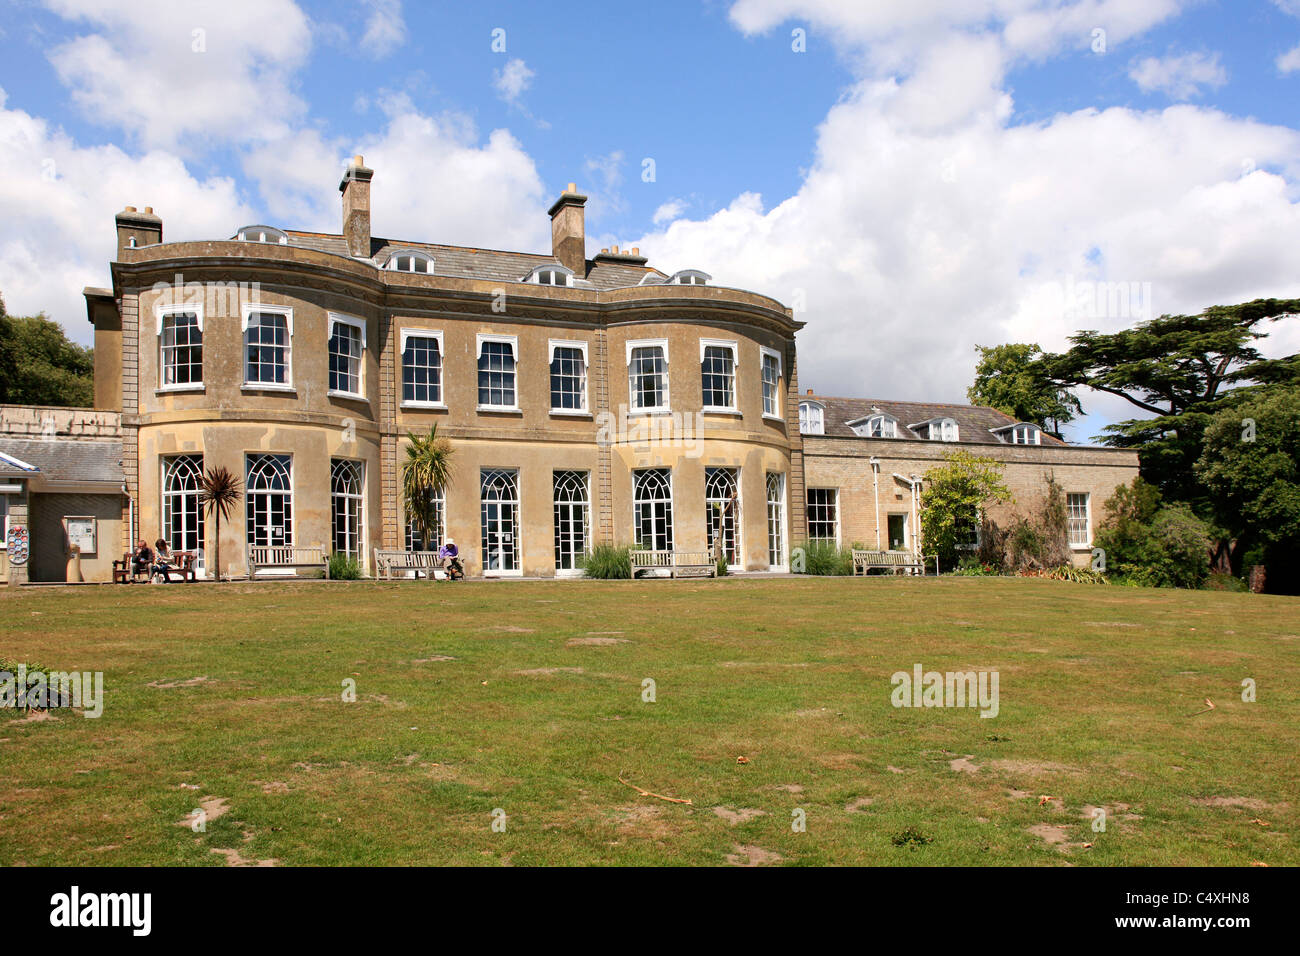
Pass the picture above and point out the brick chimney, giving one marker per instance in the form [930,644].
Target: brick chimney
[135,229]
[355,188]
[569,231]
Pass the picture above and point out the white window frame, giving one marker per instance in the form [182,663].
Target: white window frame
[535,276]
[1086,544]
[287,313]
[551,346]
[436,335]
[863,428]
[281,237]
[340,318]
[692,274]
[835,503]
[390,265]
[513,342]
[637,502]
[821,418]
[1010,434]
[782,525]
[4,521]
[765,353]
[666,407]
[734,347]
[350,500]
[161,312]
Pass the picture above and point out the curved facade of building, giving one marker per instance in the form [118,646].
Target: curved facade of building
[588,401]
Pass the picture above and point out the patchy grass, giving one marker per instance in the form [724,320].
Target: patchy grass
[527,697]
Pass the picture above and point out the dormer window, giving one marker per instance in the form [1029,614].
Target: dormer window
[409,260]
[550,275]
[937,429]
[812,418]
[1022,433]
[263,234]
[690,277]
[877,426]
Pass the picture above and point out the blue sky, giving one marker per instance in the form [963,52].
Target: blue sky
[926,180]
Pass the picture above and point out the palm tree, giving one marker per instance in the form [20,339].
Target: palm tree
[219,490]
[426,470]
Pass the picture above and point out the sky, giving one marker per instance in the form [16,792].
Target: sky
[914,177]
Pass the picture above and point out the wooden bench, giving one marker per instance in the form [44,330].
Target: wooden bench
[184,566]
[262,557]
[678,564]
[389,560]
[895,561]
[124,571]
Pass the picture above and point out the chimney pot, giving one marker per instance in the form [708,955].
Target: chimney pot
[573,189]
[636,250]
[129,209]
[358,160]
[810,391]
[148,210]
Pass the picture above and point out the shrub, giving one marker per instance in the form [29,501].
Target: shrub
[607,562]
[344,568]
[721,568]
[1066,572]
[1151,544]
[10,666]
[824,558]
[1040,540]
[1225,582]
[975,568]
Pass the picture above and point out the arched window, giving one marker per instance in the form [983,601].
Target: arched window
[437,529]
[572,507]
[500,519]
[722,512]
[653,509]
[937,429]
[263,234]
[877,426]
[346,505]
[182,510]
[690,277]
[269,497]
[812,418]
[1021,433]
[410,260]
[550,275]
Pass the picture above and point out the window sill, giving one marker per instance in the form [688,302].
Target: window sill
[350,396]
[813,434]
[632,412]
[571,412]
[431,406]
[500,409]
[168,389]
[773,418]
[720,410]
[1081,547]
[267,387]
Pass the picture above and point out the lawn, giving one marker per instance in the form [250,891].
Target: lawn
[772,704]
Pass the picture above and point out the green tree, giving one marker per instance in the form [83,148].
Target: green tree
[1250,465]
[39,366]
[1013,379]
[427,469]
[1149,542]
[1178,370]
[953,500]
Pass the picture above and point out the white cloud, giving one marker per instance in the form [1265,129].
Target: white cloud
[1289,62]
[59,199]
[436,180]
[668,211]
[385,28]
[513,80]
[215,72]
[1179,77]
[911,242]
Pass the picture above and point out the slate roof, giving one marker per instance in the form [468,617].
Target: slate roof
[974,422]
[65,459]
[471,263]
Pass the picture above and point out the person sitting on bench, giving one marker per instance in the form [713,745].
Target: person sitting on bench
[163,560]
[451,554]
[142,560]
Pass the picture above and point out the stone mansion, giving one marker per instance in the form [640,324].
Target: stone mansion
[588,401]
